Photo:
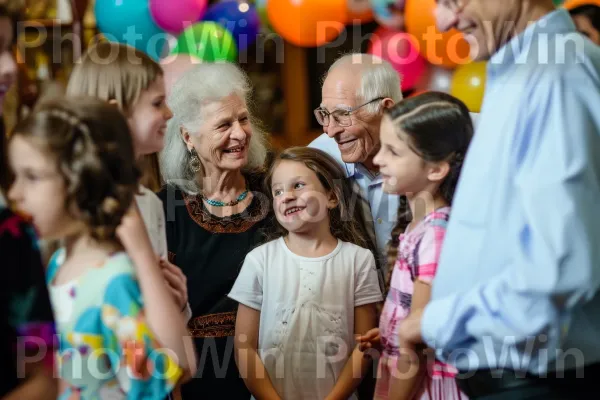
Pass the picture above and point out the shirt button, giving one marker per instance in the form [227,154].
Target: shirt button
[379,220]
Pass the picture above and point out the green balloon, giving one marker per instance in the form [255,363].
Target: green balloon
[558,2]
[209,41]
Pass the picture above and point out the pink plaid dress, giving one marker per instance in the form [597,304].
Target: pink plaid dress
[418,255]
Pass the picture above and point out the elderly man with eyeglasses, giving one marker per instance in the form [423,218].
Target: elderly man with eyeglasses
[355,92]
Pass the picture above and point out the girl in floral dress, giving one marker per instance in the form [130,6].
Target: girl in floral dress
[75,177]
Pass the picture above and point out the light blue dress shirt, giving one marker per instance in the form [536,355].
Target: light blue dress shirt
[384,207]
[519,271]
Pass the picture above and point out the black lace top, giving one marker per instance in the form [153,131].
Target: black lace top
[210,250]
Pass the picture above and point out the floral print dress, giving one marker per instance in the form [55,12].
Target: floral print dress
[106,348]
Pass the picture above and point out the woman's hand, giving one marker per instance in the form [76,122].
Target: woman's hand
[176,281]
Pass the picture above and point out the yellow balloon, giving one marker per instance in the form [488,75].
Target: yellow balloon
[468,84]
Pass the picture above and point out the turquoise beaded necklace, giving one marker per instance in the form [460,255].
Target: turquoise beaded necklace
[218,203]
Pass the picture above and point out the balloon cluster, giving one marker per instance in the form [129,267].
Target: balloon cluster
[427,59]
[408,37]
[205,32]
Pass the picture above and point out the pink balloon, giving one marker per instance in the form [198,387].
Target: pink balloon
[175,66]
[399,50]
[175,16]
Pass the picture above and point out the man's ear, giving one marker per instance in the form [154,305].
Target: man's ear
[387,103]
[185,135]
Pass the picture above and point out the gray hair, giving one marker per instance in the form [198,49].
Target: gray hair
[201,85]
[378,78]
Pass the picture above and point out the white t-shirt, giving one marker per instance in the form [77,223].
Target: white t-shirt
[307,312]
[153,214]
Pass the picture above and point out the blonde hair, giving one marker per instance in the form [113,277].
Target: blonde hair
[117,72]
[113,71]
[201,85]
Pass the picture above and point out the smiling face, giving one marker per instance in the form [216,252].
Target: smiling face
[39,190]
[486,24]
[223,139]
[402,170]
[148,119]
[359,141]
[300,201]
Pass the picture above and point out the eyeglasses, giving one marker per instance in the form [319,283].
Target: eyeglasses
[341,117]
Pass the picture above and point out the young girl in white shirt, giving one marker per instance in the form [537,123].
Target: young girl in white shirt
[305,295]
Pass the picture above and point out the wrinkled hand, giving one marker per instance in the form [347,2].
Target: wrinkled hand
[176,281]
[370,340]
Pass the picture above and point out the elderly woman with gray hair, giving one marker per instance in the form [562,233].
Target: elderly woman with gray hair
[212,164]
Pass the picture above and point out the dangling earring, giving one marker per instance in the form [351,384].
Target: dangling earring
[194,161]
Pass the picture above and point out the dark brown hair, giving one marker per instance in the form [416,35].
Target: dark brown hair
[437,127]
[92,145]
[346,220]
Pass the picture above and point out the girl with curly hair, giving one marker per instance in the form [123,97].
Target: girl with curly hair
[76,178]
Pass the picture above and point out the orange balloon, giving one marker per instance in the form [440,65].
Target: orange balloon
[570,4]
[447,49]
[308,23]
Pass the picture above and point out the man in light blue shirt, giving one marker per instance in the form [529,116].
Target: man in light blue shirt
[516,292]
[356,91]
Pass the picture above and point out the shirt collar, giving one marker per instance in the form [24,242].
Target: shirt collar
[350,169]
[524,48]
[361,170]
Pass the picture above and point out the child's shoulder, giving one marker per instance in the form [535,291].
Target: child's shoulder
[432,232]
[119,263]
[267,250]
[355,251]
[438,219]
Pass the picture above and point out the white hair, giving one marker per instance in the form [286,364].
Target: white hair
[201,85]
[378,78]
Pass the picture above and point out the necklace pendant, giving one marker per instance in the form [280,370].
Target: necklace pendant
[218,203]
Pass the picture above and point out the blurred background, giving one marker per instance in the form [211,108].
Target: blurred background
[286,46]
